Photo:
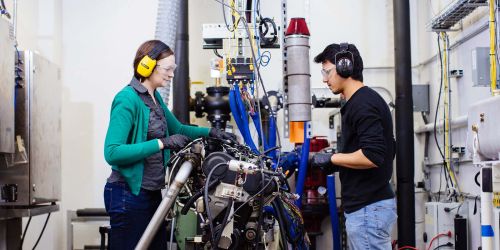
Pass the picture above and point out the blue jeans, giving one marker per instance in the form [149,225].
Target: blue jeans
[370,227]
[130,214]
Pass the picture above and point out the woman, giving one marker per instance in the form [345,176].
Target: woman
[141,134]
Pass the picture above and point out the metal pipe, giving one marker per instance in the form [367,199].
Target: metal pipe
[458,122]
[404,124]
[181,79]
[165,205]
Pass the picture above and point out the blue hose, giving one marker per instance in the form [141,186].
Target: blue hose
[334,218]
[256,122]
[234,110]
[272,137]
[304,158]
[240,116]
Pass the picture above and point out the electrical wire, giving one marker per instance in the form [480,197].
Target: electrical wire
[41,233]
[206,201]
[407,247]
[24,233]
[217,54]
[437,236]
[448,244]
[253,197]
[273,114]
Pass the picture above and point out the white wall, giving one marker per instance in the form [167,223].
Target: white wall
[95,42]
[463,95]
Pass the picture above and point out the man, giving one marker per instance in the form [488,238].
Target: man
[365,158]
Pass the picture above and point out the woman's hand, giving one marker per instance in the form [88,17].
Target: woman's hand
[219,134]
[174,142]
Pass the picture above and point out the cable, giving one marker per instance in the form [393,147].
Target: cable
[263,32]
[448,244]
[217,53]
[225,20]
[273,114]
[251,198]
[41,233]
[207,205]
[407,247]
[24,234]
[475,179]
[437,236]
[439,98]
[3,9]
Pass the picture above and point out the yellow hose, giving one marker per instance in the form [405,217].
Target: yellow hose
[493,66]
[447,147]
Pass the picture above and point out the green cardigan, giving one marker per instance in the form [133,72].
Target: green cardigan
[126,143]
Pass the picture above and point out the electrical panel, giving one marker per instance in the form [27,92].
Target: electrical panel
[440,218]
[420,93]
[481,67]
[32,175]
[7,85]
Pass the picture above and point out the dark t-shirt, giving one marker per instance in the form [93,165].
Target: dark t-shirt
[367,125]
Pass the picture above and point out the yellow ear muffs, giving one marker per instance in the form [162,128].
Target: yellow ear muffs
[146,66]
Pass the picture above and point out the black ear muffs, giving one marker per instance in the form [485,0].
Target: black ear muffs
[148,62]
[344,61]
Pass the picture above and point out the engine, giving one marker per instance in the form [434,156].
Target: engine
[242,202]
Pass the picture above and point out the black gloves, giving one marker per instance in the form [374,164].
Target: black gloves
[175,142]
[219,134]
[323,161]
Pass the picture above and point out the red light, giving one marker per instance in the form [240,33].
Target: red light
[297,26]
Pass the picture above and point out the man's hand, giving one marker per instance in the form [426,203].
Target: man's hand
[323,161]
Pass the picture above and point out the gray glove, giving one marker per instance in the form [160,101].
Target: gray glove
[219,134]
[323,161]
[175,142]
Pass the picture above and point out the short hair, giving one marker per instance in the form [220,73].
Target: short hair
[145,49]
[331,50]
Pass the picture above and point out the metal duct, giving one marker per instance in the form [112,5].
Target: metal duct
[404,124]
[299,78]
[181,80]
[166,26]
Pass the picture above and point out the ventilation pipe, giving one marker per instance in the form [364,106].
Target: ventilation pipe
[166,27]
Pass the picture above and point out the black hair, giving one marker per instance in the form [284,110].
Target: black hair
[331,50]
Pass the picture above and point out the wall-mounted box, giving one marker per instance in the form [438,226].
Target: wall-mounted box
[420,93]
[481,67]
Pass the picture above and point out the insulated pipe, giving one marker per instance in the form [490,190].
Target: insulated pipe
[165,205]
[304,160]
[458,122]
[181,79]
[404,124]
[334,216]
[166,26]
[487,218]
